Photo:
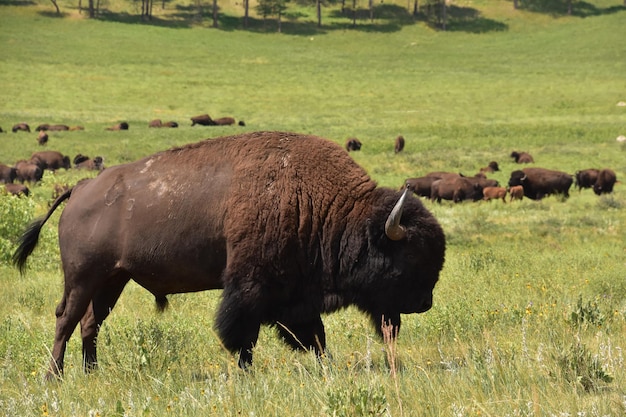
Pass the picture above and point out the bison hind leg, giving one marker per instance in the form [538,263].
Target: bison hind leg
[161,303]
[305,335]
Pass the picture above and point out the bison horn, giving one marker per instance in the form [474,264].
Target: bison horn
[393,229]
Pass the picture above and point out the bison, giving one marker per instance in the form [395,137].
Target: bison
[202,120]
[522,157]
[399,145]
[491,167]
[20,127]
[492,193]
[288,225]
[42,137]
[51,160]
[420,185]
[224,121]
[605,182]
[516,193]
[7,174]
[353,144]
[540,182]
[27,171]
[585,178]
[119,126]
[17,189]
[456,189]
[95,164]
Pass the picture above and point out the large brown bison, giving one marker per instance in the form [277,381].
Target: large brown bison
[287,224]
[522,157]
[51,160]
[585,178]
[540,182]
[605,182]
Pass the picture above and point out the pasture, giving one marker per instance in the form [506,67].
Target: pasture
[529,316]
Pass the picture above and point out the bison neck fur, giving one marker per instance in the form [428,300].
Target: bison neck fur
[288,225]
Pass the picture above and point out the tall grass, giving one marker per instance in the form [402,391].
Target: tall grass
[529,313]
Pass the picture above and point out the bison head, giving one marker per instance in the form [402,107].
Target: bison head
[517,178]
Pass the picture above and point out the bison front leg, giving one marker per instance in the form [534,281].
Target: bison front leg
[238,327]
[304,336]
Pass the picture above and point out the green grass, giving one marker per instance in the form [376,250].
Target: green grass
[529,315]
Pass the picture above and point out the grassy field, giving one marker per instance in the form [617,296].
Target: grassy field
[529,315]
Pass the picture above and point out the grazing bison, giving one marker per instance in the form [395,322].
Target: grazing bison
[17,189]
[51,160]
[288,225]
[58,128]
[540,182]
[7,174]
[493,193]
[353,144]
[399,145]
[516,193]
[21,127]
[95,164]
[28,171]
[456,189]
[585,178]
[42,127]
[155,123]
[42,137]
[202,120]
[605,182]
[522,157]
[491,167]
[119,126]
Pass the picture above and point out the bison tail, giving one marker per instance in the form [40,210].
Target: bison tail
[29,239]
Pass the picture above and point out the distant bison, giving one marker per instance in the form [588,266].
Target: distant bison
[7,174]
[119,126]
[45,127]
[541,182]
[399,145]
[456,189]
[522,157]
[516,193]
[491,167]
[494,193]
[585,178]
[42,137]
[224,121]
[420,185]
[95,164]
[288,225]
[353,144]
[202,120]
[20,127]
[17,189]
[605,182]
[51,160]
[159,123]
[27,171]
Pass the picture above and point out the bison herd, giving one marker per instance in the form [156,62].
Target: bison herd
[532,182]
[31,170]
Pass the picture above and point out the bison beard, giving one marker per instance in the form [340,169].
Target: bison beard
[288,225]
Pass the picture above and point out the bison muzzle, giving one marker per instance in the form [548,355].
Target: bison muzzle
[288,225]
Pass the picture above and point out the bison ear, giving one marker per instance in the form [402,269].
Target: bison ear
[393,229]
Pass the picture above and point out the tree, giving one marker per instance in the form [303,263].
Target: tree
[215,13]
[273,7]
[56,6]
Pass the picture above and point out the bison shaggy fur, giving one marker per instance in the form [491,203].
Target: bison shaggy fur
[288,225]
[605,182]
